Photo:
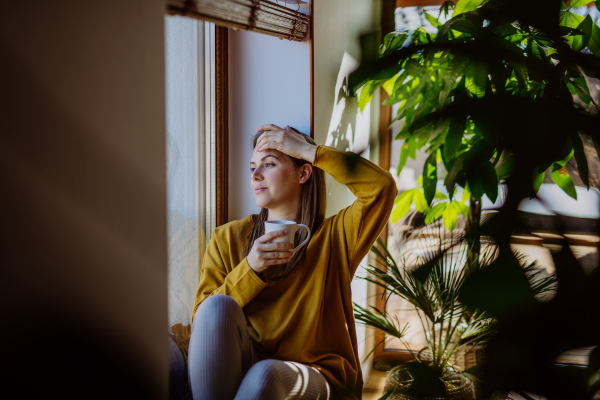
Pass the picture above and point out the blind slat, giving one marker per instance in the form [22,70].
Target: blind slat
[260,16]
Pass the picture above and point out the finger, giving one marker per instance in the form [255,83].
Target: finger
[265,137]
[261,140]
[268,127]
[277,261]
[282,246]
[270,255]
[270,144]
[271,235]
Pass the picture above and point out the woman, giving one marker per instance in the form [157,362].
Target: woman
[285,329]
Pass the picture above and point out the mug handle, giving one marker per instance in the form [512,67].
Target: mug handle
[302,226]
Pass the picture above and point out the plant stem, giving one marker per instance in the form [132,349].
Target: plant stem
[473,237]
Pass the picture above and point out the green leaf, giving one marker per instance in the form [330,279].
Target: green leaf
[366,93]
[466,195]
[475,185]
[430,177]
[464,26]
[570,20]
[580,42]
[579,3]
[582,164]
[594,43]
[464,6]
[450,180]
[476,75]
[483,179]
[597,3]
[538,179]
[435,212]
[561,177]
[402,205]
[420,202]
[538,52]
[489,181]
[388,86]
[461,208]
[580,89]
[454,136]
[450,216]
[565,160]
[414,68]
[433,20]
[478,154]
[507,167]
[440,196]
[409,149]
[387,394]
[455,69]
[498,289]
[392,41]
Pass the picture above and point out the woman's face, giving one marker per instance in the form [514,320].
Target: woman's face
[274,179]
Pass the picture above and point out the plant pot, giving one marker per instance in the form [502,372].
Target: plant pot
[464,390]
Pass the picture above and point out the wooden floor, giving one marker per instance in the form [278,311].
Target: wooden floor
[373,389]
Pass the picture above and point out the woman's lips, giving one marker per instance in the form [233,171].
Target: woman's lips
[258,190]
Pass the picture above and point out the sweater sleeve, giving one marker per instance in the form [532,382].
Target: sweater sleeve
[360,224]
[216,277]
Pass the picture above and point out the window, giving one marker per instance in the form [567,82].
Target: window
[191,155]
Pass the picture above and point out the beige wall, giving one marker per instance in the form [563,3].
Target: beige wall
[269,83]
[338,25]
[83,204]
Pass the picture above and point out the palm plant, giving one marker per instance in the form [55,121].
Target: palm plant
[431,282]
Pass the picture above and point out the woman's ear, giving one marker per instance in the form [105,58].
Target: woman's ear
[306,171]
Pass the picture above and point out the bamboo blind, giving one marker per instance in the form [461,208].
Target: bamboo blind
[262,16]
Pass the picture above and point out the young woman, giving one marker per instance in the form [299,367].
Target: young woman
[271,325]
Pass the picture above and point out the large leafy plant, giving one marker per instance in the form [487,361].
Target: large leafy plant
[501,77]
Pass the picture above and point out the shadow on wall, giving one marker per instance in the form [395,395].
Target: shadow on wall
[344,134]
[346,117]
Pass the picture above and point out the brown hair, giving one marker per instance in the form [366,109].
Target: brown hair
[313,203]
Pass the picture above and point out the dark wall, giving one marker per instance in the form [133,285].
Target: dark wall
[83,248]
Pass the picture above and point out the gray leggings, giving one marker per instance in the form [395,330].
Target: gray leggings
[224,366]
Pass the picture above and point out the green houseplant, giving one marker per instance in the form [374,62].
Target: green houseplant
[500,92]
[501,78]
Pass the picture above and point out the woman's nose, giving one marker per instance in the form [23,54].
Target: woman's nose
[256,175]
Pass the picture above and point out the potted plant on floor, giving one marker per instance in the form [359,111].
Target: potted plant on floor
[431,283]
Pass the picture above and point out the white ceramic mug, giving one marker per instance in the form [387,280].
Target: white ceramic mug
[292,227]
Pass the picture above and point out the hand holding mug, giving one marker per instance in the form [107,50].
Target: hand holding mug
[265,253]
[276,246]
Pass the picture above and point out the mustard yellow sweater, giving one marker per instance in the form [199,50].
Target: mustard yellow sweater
[308,317]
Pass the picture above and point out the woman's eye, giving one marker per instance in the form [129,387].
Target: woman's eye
[252,169]
[270,164]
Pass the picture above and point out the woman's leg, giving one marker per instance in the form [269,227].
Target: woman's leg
[275,379]
[220,351]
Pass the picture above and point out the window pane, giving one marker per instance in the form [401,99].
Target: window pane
[191,156]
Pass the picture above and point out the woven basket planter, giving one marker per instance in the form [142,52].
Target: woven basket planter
[465,390]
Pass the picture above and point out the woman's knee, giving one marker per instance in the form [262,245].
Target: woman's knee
[266,378]
[217,308]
